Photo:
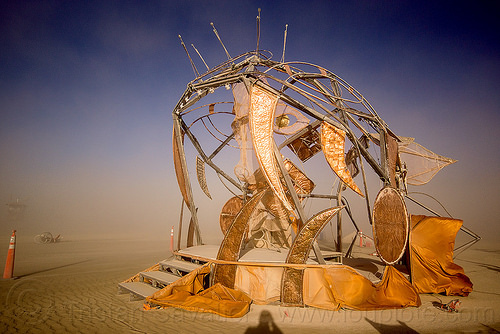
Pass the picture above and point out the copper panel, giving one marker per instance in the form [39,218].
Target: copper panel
[181,177]
[200,175]
[306,146]
[229,212]
[230,247]
[333,142]
[292,281]
[301,183]
[390,225]
[262,105]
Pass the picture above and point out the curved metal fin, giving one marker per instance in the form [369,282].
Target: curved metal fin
[178,151]
[332,144]
[292,280]
[230,247]
[200,175]
[262,107]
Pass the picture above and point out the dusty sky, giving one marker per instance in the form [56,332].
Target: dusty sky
[87,89]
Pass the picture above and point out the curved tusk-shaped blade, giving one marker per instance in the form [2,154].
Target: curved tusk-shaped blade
[178,152]
[200,174]
[292,279]
[261,116]
[332,143]
[230,246]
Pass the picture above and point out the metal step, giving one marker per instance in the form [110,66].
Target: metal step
[158,279]
[179,265]
[137,290]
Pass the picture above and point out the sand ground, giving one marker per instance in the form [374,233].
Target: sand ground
[71,287]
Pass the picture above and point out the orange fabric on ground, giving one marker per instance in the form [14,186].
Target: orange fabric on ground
[432,240]
[188,293]
[341,286]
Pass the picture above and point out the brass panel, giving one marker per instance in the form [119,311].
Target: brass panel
[390,225]
[292,280]
[230,247]
[200,175]
[262,105]
[333,142]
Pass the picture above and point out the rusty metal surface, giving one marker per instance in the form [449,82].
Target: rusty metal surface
[390,225]
[261,114]
[333,142]
[230,247]
[292,280]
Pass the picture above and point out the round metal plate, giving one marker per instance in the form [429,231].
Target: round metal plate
[390,225]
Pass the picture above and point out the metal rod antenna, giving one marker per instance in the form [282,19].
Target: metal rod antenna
[284,44]
[217,34]
[258,33]
[190,60]
[203,60]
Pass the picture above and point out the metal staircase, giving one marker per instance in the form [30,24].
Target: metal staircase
[149,282]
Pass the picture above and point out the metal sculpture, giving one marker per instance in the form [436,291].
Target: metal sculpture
[278,112]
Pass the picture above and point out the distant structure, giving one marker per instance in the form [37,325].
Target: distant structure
[16,210]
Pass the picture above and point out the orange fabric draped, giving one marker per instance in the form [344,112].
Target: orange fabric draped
[432,240]
[341,286]
[188,293]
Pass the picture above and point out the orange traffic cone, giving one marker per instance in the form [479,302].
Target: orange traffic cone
[9,264]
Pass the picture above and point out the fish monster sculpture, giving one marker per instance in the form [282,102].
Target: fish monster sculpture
[278,112]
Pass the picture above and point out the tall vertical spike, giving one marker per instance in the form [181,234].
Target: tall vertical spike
[258,33]
[203,60]
[217,35]
[190,60]
[284,44]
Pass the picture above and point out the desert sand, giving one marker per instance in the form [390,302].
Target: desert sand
[71,287]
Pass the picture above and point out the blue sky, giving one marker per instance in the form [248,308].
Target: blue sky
[87,90]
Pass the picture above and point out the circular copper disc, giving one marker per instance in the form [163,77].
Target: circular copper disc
[229,212]
[390,225]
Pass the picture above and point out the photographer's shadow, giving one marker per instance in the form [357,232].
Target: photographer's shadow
[266,325]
